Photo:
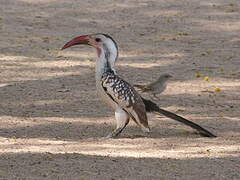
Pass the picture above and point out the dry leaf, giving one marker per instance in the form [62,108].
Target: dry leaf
[206,78]
[197,75]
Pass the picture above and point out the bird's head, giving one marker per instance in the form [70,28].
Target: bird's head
[105,45]
[164,77]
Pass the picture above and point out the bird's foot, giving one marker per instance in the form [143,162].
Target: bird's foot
[114,133]
[102,138]
[111,135]
[146,129]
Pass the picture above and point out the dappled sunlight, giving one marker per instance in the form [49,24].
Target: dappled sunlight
[221,26]
[51,117]
[61,64]
[18,76]
[163,13]
[140,55]
[28,121]
[18,59]
[39,102]
[143,65]
[100,147]
[21,68]
[222,17]
[81,53]
[221,14]
[4,84]
[197,86]
[23,61]
[38,1]
[81,120]
[88,59]
[232,118]
[86,53]
[111,7]
[209,3]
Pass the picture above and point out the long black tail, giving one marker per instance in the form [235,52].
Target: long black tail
[152,107]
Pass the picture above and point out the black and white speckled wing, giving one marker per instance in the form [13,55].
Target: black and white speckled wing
[125,96]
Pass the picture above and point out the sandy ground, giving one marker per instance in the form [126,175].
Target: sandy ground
[51,117]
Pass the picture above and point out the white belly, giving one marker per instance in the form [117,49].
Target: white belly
[105,98]
[100,91]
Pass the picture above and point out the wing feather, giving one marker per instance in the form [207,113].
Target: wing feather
[126,97]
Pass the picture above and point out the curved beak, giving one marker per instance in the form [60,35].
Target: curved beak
[84,39]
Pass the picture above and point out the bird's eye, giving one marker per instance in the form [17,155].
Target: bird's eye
[98,39]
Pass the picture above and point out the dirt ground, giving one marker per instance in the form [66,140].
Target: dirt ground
[51,118]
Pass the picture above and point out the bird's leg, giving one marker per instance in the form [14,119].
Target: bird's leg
[152,96]
[122,119]
[155,96]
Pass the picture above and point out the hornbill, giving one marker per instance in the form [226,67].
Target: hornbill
[157,86]
[118,93]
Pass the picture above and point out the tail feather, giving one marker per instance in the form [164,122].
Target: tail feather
[139,86]
[143,88]
[152,107]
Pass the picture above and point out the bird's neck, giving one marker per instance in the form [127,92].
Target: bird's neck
[105,61]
